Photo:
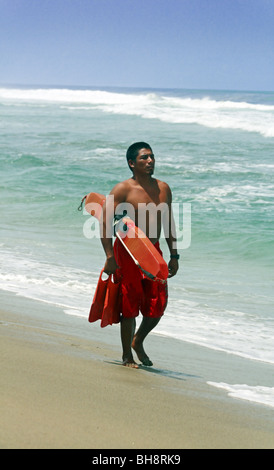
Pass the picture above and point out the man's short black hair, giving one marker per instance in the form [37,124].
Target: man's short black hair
[134,149]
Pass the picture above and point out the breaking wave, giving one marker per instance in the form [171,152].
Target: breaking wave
[205,111]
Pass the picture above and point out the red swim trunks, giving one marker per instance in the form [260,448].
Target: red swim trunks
[138,292]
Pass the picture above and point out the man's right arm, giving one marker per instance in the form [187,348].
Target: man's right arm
[118,195]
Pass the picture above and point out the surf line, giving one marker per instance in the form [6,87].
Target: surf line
[104,460]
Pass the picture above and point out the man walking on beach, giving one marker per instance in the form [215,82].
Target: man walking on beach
[150,297]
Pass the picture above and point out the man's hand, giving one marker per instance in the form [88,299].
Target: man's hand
[173,267]
[110,266]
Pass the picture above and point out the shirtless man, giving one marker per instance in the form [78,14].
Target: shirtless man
[139,190]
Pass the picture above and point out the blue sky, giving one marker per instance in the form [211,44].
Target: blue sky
[196,44]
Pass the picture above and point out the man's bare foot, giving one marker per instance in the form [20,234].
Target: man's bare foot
[129,362]
[139,349]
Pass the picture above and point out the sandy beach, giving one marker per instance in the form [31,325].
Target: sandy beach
[63,387]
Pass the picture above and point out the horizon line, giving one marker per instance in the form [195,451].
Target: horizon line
[104,87]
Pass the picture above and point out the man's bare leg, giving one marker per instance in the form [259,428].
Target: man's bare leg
[128,326]
[137,344]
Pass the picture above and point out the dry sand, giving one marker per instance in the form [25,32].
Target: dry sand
[61,390]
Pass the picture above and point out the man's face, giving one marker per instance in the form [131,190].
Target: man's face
[145,162]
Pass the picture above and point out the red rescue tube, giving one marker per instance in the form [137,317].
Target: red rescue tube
[140,248]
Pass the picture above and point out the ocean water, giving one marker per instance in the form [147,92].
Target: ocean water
[216,151]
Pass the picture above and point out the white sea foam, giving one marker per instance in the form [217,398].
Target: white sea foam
[230,331]
[255,394]
[205,111]
[58,285]
[235,194]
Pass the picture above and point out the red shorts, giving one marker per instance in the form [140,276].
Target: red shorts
[138,292]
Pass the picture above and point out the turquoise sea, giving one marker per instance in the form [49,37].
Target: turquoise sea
[214,148]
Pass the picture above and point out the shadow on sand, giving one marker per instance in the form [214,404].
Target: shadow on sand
[164,372]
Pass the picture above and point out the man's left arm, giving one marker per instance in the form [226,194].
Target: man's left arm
[170,236]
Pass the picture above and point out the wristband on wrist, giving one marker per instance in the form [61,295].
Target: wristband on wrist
[174,256]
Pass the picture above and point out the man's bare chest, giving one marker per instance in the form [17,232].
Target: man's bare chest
[135,197]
